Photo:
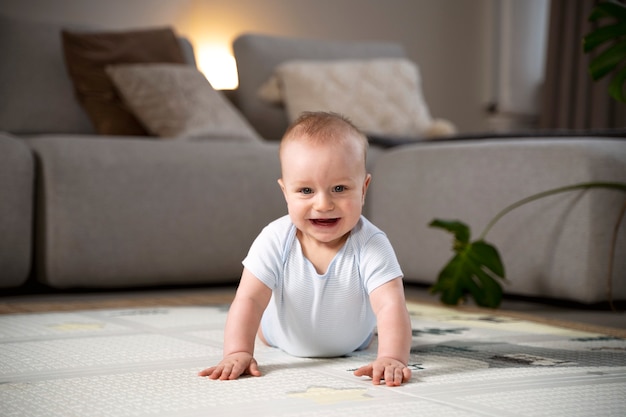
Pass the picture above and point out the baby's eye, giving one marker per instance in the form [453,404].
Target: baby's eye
[306,190]
[339,188]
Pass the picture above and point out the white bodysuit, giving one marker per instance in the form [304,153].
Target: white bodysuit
[313,315]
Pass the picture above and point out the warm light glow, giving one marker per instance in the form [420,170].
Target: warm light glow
[218,66]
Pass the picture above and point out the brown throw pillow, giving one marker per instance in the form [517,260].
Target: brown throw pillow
[87,54]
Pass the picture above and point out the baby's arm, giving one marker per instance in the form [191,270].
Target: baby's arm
[242,325]
[394,336]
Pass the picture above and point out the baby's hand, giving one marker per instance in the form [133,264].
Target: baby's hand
[233,366]
[391,370]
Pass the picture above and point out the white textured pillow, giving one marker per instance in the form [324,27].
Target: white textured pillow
[176,100]
[380,96]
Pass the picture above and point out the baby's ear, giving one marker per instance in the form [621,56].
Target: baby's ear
[282,187]
[366,184]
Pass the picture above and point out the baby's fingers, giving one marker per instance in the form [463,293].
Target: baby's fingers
[253,369]
[207,371]
[392,375]
[236,369]
[365,370]
[213,372]
[231,370]
[395,376]
[223,372]
[373,371]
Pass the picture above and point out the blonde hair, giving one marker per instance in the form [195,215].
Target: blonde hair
[324,127]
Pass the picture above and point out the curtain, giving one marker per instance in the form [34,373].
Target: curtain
[571,99]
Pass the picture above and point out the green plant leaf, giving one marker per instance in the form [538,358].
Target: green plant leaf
[469,272]
[482,253]
[608,8]
[616,87]
[608,60]
[450,281]
[602,35]
[486,292]
[460,230]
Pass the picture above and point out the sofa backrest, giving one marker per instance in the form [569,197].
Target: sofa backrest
[36,92]
[257,55]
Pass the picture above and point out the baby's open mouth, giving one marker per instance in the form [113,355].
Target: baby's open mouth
[324,222]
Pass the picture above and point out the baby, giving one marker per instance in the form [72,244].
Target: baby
[317,281]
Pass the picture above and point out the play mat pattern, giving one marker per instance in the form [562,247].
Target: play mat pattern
[143,362]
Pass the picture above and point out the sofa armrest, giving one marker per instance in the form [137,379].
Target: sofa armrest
[17,182]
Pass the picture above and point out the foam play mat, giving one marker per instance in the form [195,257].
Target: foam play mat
[144,361]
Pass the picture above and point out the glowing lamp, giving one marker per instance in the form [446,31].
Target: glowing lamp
[218,66]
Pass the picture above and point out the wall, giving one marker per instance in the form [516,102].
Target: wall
[451,40]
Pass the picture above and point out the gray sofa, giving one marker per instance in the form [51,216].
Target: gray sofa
[80,210]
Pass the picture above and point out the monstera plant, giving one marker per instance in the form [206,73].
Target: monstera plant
[612,35]
[476,268]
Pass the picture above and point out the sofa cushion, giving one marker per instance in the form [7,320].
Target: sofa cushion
[88,53]
[174,100]
[130,212]
[381,96]
[258,55]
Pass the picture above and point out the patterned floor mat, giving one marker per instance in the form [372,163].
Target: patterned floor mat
[143,362]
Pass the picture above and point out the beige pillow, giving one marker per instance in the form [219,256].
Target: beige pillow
[174,100]
[381,96]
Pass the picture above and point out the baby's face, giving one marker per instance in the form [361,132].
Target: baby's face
[325,186]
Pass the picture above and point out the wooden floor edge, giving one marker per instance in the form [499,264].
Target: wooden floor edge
[585,327]
[49,306]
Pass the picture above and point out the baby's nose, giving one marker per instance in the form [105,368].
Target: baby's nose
[324,202]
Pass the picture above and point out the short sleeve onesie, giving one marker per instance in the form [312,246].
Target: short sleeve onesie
[313,315]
